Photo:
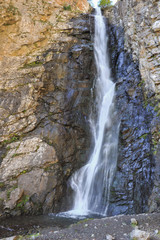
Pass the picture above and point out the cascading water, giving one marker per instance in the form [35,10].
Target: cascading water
[91,184]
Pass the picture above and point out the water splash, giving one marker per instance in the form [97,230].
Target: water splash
[94,3]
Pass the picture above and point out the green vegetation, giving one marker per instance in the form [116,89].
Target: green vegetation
[47,169]
[8,148]
[23,172]
[13,10]
[67,7]
[105,3]
[158,114]
[9,192]
[144,136]
[33,64]
[155,152]
[22,202]
[155,142]
[134,224]
[37,148]
[157,109]
[10,140]
[84,220]
[28,237]
[1,184]
[141,83]
[16,154]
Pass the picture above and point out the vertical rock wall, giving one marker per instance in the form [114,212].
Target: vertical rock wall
[135,54]
[46,73]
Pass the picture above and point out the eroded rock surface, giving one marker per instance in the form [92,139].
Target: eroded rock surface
[46,72]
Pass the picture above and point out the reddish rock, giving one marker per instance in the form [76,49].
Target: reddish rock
[82,5]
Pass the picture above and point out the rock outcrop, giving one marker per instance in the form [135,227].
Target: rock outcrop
[135,53]
[46,72]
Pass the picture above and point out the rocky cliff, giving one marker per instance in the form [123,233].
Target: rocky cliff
[46,75]
[134,28]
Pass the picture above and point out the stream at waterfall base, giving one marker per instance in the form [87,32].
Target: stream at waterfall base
[24,225]
[51,227]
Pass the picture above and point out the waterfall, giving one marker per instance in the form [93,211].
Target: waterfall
[92,183]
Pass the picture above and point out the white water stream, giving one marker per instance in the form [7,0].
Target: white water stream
[91,183]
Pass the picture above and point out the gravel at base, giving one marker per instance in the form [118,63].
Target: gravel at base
[119,227]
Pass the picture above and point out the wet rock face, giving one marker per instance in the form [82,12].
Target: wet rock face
[134,177]
[46,73]
[134,51]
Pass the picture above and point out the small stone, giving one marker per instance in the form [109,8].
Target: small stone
[15,195]
[109,237]
[92,235]
[124,224]
[11,238]
[139,235]
[86,225]
[156,26]
[156,231]
[133,221]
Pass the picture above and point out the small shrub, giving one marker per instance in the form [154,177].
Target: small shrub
[33,64]
[10,140]
[67,7]
[1,184]
[105,3]
[22,202]
[144,136]
[16,154]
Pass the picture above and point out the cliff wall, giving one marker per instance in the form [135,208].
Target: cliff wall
[46,62]
[135,53]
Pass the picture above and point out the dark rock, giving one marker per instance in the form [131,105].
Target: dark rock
[133,181]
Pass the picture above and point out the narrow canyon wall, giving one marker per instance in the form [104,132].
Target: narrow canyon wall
[46,72]
[135,53]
